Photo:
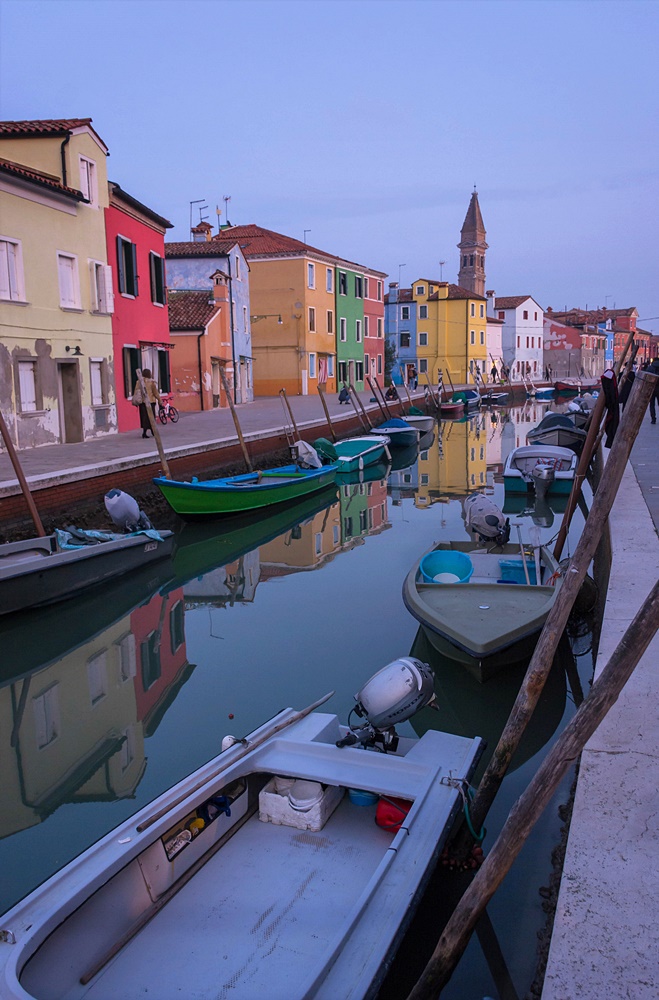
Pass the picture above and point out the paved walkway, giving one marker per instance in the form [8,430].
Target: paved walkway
[605,942]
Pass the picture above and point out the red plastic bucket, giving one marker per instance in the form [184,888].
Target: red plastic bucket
[390,813]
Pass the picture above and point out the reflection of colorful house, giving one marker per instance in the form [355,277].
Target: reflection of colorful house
[157,644]
[462,465]
[140,328]
[233,583]
[305,547]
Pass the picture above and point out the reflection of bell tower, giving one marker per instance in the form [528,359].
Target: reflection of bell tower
[472,249]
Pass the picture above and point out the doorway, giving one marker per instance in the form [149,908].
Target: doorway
[70,408]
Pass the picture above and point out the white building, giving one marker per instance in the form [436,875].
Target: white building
[493,337]
[521,335]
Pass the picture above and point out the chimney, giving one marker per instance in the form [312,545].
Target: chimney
[202,233]
[393,291]
[489,309]
[220,287]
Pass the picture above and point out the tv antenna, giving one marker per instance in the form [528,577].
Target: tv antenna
[196,201]
[441,270]
[226,199]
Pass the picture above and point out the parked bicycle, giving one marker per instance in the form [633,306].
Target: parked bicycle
[167,411]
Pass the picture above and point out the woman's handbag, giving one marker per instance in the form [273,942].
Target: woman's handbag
[137,399]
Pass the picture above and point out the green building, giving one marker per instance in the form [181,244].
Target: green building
[349,287]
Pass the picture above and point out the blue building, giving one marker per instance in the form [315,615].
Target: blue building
[400,331]
[189,266]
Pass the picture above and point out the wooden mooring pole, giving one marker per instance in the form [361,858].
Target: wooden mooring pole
[236,422]
[531,803]
[22,481]
[154,425]
[321,393]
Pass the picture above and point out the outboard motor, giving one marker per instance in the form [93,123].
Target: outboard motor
[542,475]
[125,512]
[484,521]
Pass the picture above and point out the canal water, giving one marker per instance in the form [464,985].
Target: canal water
[107,701]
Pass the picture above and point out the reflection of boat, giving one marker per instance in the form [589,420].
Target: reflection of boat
[371,474]
[465,706]
[201,548]
[559,430]
[545,467]
[541,511]
[263,836]
[249,491]
[424,422]
[41,570]
[450,409]
[401,434]
[426,440]
[403,458]
[540,394]
[34,638]
[355,453]
[573,386]
[492,398]
[490,620]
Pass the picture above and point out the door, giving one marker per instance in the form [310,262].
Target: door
[69,402]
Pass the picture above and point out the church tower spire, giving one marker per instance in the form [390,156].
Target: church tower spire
[472,246]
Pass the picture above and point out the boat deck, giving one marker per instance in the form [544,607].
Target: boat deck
[281,891]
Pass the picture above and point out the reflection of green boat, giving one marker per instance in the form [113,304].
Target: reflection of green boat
[371,474]
[468,708]
[541,510]
[34,638]
[403,458]
[200,548]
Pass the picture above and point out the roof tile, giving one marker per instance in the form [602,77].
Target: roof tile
[37,177]
[189,310]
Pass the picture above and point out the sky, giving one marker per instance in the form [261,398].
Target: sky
[367,124]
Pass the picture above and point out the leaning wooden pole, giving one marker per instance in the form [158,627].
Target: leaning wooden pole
[530,805]
[236,422]
[22,481]
[321,393]
[541,661]
[282,393]
[154,425]
[356,402]
[589,448]
[382,403]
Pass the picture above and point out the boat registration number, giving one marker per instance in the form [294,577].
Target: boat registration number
[150,546]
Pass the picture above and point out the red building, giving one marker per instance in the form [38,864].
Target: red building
[140,326]
[161,659]
[374,326]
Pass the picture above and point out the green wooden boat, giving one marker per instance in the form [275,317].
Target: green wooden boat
[249,491]
[356,453]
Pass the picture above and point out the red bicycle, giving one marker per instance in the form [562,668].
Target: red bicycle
[167,411]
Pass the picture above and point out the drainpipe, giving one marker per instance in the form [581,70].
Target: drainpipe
[63,156]
[233,342]
[201,379]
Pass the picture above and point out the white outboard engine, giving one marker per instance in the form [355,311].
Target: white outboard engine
[125,512]
[542,475]
[394,694]
[484,521]
[306,456]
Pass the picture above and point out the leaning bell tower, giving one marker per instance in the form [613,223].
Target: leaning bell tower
[472,246]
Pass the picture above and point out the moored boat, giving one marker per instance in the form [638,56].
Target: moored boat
[271,849]
[249,491]
[356,453]
[544,467]
[489,617]
[424,422]
[451,409]
[559,430]
[401,434]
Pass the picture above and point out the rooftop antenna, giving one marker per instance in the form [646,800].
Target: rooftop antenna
[441,270]
[218,212]
[197,201]
[400,268]
[226,199]
[305,234]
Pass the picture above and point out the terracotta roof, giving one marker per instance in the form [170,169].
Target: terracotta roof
[256,241]
[128,198]
[189,310]
[46,127]
[575,317]
[404,295]
[473,224]
[45,180]
[510,301]
[457,292]
[214,248]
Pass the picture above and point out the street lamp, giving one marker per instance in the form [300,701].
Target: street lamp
[255,319]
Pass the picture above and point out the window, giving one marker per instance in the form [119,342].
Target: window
[358,330]
[423,366]
[131,364]
[312,319]
[12,286]
[464,261]
[532,341]
[365,288]
[46,717]
[96,372]
[27,386]
[405,339]
[329,279]
[343,328]
[330,321]
[527,341]
[343,283]
[501,314]
[379,291]
[472,309]
[88,184]
[312,365]
[330,366]
[69,286]
[127,751]
[311,275]
[102,296]
[359,287]
[420,289]
[379,327]
[379,364]
[150,657]
[238,275]
[127,267]
[423,312]
[367,365]
[525,314]
[404,312]
[318,543]
[425,479]
[482,336]
[481,310]
[127,657]
[157,270]
[97,677]
[359,371]
[365,327]
[423,340]
[535,315]
[519,340]
[471,260]
[472,337]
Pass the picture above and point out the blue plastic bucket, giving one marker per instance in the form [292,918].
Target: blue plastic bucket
[512,571]
[446,561]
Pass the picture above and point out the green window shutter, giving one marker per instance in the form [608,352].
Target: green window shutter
[121,265]
[131,364]
[164,379]
[133,254]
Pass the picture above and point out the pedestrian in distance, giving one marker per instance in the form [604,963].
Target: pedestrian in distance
[494,374]
[344,395]
[152,399]
[653,368]
[413,378]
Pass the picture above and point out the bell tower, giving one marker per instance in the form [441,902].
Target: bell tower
[472,246]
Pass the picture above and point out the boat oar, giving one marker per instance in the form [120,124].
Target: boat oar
[227,390]
[534,535]
[521,549]
[34,514]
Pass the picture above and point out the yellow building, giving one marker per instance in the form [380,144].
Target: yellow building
[56,297]
[451,332]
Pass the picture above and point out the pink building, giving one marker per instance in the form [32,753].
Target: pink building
[140,326]
[374,325]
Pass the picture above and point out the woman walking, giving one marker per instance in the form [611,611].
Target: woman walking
[152,397]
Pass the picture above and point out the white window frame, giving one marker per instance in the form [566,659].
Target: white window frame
[238,272]
[423,339]
[472,337]
[312,364]
[311,275]
[96,380]
[343,330]
[366,295]
[482,310]
[89,180]
[97,677]
[46,716]
[379,327]
[330,321]
[366,327]
[423,366]
[127,650]
[312,319]
[482,337]
[420,289]
[27,384]
[72,260]
[404,312]
[358,331]
[423,312]
[379,291]
[329,279]
[472,309]
[330,366]
[12,277]
[102,295]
